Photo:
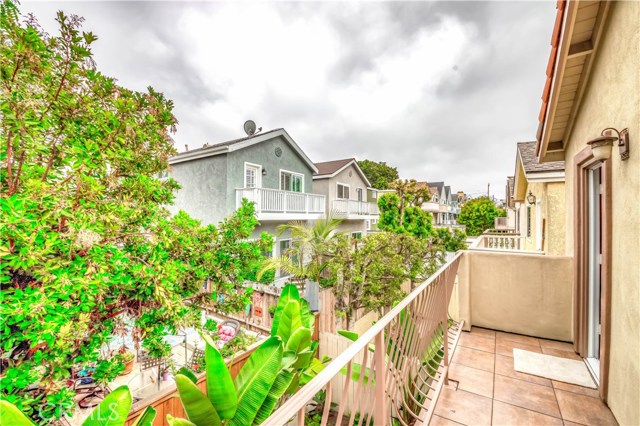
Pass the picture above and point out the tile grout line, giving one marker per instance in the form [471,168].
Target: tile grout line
[557,403]
[493,388]
[534,411]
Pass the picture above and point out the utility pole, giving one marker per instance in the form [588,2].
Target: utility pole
[488,190]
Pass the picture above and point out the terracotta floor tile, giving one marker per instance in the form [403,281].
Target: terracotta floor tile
[472,380]
[504,367]
[484,332]
[576,389]
[584,409]
[464,407]
[505,347]
[477,341]
[474,358]
[509,415]
[526,395]
[568,423]
[554,344]
[527,340]
[441,421]
[561,353]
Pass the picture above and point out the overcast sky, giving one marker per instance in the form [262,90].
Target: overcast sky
[442,91]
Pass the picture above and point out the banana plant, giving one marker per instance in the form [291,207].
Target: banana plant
[112,411]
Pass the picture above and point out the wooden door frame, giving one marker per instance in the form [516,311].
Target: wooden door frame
[583,161]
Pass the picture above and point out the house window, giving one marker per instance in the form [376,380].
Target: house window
[252,175]
[359,192]
[163,175]
[343,191]
[356,235]
[528,221]
[290,181]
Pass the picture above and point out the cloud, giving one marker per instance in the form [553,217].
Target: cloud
[442,90]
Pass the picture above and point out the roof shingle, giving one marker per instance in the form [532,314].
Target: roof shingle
[330,167]
[527,152]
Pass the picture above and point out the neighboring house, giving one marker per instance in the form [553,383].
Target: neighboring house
[538,194]
[347,191]
[267,168]
[590,115]
[444,206]
[510,222]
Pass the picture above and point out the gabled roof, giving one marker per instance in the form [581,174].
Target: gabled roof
[447,191]
[439,186]
[329,169]
[510,183]
[241,143]
[454,197]
[527,155]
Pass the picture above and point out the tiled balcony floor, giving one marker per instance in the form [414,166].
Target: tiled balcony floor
[490,392]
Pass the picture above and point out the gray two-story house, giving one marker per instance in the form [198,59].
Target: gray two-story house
[267,168]
[346,189]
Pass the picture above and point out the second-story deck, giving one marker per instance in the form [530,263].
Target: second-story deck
[274,204]
[354,209]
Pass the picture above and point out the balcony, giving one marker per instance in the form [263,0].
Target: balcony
[353,209]
[445,354]
[499,239]
[274,204]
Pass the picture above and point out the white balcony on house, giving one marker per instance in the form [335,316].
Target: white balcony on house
[431,207]
[275,204]
[354,209]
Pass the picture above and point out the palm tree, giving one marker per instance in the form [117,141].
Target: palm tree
[307,257]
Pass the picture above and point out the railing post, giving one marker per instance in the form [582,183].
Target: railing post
[381,369]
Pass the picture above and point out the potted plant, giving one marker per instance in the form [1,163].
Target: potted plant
[272,310]
[126,358]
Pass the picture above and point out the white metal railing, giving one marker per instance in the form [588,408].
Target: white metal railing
[276,201]
[355,207]
[394,372]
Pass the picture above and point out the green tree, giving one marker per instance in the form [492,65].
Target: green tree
[86,241]
[380,174]
[450,240]
[478,215]
[401,212]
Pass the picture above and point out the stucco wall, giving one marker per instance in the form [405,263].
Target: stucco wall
[204,189]
[329,186]
[554,208]
[528,294]
[264,155]
[612,99]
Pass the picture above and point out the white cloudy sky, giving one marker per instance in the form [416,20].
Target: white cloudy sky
[440,90]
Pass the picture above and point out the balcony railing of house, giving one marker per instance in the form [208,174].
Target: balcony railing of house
[394,372]
[278,201]
[355,207]
[500,239]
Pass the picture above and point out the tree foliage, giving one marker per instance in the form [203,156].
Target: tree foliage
[450,240]
[370,276]
[86,241]
[380,174]
[478,215]
[401,212]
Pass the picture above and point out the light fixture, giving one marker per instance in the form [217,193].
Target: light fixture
[531,199]
[264,171]
[601,146]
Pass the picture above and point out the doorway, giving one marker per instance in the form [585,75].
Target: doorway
[594,270]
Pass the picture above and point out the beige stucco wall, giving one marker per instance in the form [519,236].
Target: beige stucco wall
[551,196]
[612,99]
[528,294]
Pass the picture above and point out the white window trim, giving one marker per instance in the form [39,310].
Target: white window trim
[343,184]
[292,173]
[258,177]
[364,195]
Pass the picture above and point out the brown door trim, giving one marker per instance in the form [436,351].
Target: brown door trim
[583,161]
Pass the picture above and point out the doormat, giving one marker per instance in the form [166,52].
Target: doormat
[552,367]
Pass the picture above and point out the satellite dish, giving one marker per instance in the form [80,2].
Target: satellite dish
[249,127]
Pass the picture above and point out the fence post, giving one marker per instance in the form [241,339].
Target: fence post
[381,369]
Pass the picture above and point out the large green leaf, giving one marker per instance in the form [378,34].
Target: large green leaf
[299,340]
[289,292]
[280,385]
[113,410]
[255,380]
[304,359]
[351,335]
[315,366]
[146,418]
[177,421]
[220,388]
[10,415]
[196,404]
[308,319]
[290,320]
[188,373]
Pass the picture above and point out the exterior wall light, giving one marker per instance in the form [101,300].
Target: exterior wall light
[601,146]
[264,171]
[531,199]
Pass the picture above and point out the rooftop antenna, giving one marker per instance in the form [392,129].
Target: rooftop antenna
[250,128]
